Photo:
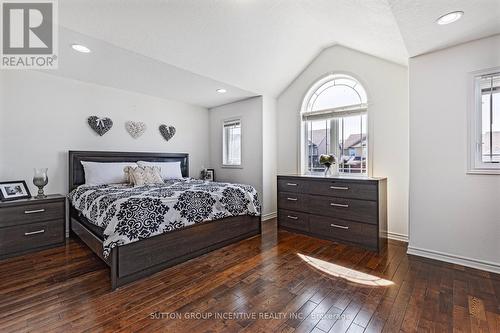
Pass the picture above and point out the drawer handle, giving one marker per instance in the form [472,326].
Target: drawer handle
[291,199]
[339,205]
[292,217]
[291,184]
[339,188]
[339,226]
[34,211]
[34,232]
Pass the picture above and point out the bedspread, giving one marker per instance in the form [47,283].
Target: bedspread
[128,214]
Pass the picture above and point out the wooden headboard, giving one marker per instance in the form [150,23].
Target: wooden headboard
[77,175]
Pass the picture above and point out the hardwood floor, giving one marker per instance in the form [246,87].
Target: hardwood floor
[275,282]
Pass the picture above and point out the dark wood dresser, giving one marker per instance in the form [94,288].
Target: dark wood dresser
[350,210]
[31,225]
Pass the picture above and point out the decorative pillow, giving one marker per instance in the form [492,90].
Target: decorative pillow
[100,173]
[169,170]
[140,176]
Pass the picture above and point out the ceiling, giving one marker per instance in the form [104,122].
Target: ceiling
[416,21]
[112,66]
[260,46]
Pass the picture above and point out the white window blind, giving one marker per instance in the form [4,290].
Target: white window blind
[231,142]
[338,112]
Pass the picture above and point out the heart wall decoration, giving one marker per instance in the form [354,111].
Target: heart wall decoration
[135,128]
[167,131]
[100,125]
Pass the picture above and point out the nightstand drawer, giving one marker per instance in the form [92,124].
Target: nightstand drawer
[30,236]
[29,213]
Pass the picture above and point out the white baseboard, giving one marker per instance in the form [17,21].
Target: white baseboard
[269,216]
[398,237]
[454,259]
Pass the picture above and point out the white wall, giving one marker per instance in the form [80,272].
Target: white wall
[44,116]
[250,113]
[387,87]
[2,120]
[269,157]
[453,216]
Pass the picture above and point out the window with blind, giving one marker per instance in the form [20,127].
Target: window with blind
[484,119]
[334,121]
[231,142]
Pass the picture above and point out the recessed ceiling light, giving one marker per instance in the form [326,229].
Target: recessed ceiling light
[450,17]
[221,91]
[80,48]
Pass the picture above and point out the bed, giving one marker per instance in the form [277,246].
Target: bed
[131,256]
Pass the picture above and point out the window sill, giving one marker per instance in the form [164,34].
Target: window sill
[231,167]
[483,172]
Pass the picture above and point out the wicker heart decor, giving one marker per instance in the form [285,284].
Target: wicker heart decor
[100,125]
[167,131]
[135,129]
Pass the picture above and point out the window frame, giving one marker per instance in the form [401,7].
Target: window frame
[475,164]
[302,137]
[224,122]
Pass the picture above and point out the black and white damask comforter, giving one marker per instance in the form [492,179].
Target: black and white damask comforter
[128,214]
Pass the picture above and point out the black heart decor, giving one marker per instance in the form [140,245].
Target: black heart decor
[100,125]
[167,131]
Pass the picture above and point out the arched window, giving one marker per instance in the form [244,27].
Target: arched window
[334,121]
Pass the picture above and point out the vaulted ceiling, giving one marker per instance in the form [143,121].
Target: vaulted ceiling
[262,45]
[416,21]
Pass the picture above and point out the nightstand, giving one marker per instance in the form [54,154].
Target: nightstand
[31,225]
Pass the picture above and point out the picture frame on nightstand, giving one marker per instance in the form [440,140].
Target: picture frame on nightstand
[14,190]
[210,175]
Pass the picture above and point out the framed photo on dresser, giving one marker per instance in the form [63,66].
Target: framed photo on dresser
[14,190]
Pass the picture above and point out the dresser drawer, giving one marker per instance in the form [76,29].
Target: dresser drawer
[36,212]
[295,220]
[343,189]
[291,185]
[292,201]
[332,228]
[356,210]
[30,236]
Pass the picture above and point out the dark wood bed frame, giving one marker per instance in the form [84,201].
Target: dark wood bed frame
[136,260]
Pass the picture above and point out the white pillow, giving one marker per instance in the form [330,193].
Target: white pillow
[169,170]
[99,173]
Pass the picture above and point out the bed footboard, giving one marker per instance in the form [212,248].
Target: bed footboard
[136,260]
[143,258]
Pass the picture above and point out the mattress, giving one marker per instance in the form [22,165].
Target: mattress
[127,214]
[96,230]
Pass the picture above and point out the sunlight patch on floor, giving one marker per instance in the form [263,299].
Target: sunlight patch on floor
[345,273]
